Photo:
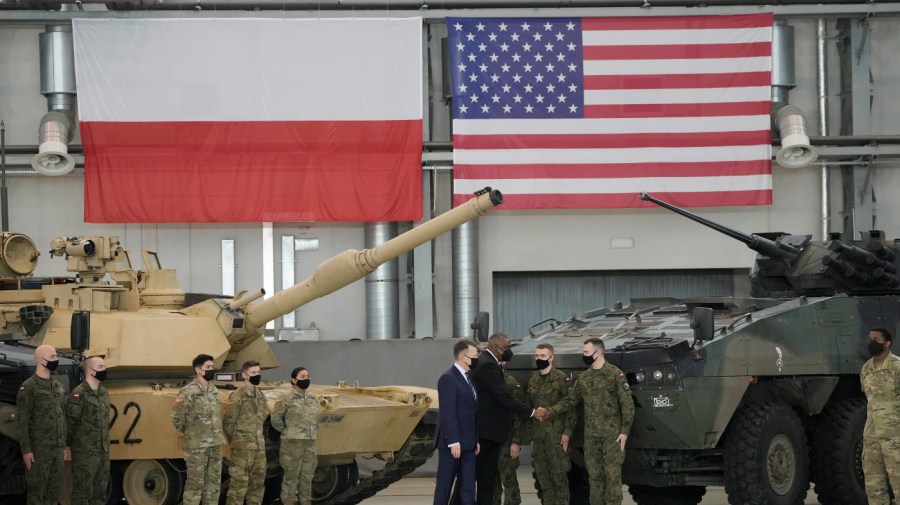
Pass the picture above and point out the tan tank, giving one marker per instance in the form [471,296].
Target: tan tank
[149,330]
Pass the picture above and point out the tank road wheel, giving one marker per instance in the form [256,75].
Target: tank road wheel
[151,482]
[674,495]
[332,480]
[765,454]
[836,453]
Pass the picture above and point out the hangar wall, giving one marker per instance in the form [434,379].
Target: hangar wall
[46,207]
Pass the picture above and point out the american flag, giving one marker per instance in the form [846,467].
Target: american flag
[586,113]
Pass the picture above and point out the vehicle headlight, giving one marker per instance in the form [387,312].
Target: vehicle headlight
[663,376]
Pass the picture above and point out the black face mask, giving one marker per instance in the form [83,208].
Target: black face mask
[51,365]
[302,383]
[588,360]
[507,355]
[255,380]
[875,348]
[208,375]
[541,364]
[472,363]
[100,375]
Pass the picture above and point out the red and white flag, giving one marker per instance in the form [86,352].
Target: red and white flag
[237,120]
[586,113]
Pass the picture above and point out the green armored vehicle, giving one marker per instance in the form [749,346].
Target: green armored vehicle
[759,394]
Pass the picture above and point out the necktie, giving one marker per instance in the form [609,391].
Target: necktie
[471,386]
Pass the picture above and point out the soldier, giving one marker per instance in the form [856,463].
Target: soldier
[196,414]
[42,428]
[243,427]
[87,423]
[508,462]
[880,379]
[296,419]
[608,413]
[550,439]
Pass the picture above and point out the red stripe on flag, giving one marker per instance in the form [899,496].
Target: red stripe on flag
[686,51]
[624,200]
[679,23]
[677,81]
[612,170]
[252,171]
[622,140]
[677,110]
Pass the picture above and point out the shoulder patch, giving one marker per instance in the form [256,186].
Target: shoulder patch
[621,375]
[21,388]
[626,386]
[179,399]
[76,396]
[568,379]
[518,386]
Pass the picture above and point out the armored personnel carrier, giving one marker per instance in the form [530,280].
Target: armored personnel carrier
[149,330]
[760,393]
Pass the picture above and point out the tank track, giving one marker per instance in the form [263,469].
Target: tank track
[414,453]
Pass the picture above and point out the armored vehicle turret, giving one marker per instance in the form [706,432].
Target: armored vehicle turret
[759,393]
[149,330]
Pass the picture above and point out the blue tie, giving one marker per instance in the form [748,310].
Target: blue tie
[472,387]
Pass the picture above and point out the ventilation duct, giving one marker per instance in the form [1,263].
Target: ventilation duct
[57,127]
[382,289]
[465,278]
[796,150]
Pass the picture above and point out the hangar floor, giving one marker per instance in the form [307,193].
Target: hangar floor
[420,490]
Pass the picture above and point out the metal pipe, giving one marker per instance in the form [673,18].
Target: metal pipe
[783,79]
[57,127]
[465,278]
[822,89]
[4,204]
[382,287]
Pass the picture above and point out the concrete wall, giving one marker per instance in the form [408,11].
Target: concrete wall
[46,207]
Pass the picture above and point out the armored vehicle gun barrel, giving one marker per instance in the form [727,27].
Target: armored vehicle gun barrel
[353,265]
[759,244]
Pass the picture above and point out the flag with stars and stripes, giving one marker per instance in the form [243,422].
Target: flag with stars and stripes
[571,113]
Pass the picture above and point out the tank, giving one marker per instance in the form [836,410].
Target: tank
[149,330]
[759,394]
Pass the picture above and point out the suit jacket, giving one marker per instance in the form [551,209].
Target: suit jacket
[457,419]
[495,402]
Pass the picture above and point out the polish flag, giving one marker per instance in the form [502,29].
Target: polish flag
[250,120]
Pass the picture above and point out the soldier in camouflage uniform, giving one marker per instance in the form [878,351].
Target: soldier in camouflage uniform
[880,379]
[296,417]
[196,414]
[608,413]
[87,426]
[550,439]
[42,429]
[243,427]
[508,462]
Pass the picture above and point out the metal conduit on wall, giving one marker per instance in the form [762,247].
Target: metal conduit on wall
[796,151]
[382,289]
[465,278]
[57,127]
[822,90]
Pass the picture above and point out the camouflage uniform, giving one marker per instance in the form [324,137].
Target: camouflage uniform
[87,423]
[508,483]
[881,437]
[42,431]
[551,463]
[608,411]
[196,414]
[296,417]
[243,425]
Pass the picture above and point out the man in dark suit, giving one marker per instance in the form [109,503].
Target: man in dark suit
[456,438]
[495,403]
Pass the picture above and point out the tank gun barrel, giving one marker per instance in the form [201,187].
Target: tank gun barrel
[759,244]
[353,265]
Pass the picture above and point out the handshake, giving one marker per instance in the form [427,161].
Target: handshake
[541,414]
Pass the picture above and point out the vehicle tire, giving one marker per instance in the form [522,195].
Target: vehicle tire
[329,481]
[766,456]
[152,482]
[674,495]
[836,453]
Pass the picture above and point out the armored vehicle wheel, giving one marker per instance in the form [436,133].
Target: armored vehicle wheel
[152,482]
[331,480]
[675,495]
[836,453]
[765,454]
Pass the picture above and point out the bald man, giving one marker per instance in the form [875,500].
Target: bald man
[42,428]
[87,426]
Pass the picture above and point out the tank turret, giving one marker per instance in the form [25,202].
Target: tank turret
[793,265]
